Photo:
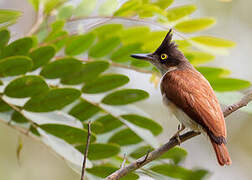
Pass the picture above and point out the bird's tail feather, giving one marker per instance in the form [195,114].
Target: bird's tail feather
[221,153]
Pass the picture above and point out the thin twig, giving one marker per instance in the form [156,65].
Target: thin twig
[86,151]
[173,142]
[124,160]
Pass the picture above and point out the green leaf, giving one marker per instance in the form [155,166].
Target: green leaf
[104,47]
[154,40]
[26,86]
[177,154]
[88,72]
[163,4]
[15,65]
[42,55]
[34,131]
[108,7]
[84,110]
[213,41]
[72,135]
[35,4]
[104,31]
[109,123]
[18,117]
[105,170]
[141,151]
[123,53]
[85,8]
[212,72]
[125,137]
[18,47]
[96,128]
[143,122]
[50,5]
[53,100]
[61,67]
[4,107]
[149,10]
[194,25]
[179,12]
[65,12]
[8,15]
[129,35]
[125,96]
[198,57]
[5,37]
[98,151]
[79,44]
[105,83]
[229,84]
[129,8]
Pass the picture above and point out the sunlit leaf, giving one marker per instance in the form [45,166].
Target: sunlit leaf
[18,47]
[108,7]
[154,40]
[18,117]
[15,65]
[79,44]
[98,151]
[213,41]
[128,8]
[177,154]
[106,169]
[103,48]
[198,57]
[26,86]
[61,68]
[229,84]
[125,96]
[194,25]
[163,3]
[149,10]
[129,35]
[42,55]
[105,83]
[84,110]
[213,72]
[53,100]
[125,137]
[109,123]
[50,5]
[72,135]
[8,15]
[88,72]
[104,31]
[85,8]
[35,4]
[179,12]
[65,12]
[143,122]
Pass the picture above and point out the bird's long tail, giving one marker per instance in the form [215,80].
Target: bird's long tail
[221,153]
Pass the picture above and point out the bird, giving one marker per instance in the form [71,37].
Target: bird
[189,96]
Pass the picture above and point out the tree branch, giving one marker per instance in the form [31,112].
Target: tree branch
[173,142]
[86,151]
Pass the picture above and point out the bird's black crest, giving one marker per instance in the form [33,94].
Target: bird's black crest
[167,43]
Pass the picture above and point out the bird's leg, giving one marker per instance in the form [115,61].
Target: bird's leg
[181,127]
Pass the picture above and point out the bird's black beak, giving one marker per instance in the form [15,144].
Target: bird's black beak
[147,57]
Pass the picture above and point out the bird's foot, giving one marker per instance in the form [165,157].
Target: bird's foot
[181,127]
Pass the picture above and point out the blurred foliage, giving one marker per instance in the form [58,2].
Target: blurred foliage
[50,80]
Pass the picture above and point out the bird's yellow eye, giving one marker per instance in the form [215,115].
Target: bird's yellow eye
[164,56]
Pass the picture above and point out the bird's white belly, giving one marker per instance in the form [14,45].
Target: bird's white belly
[182,117]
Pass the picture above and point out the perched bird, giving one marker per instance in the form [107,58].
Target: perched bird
[189,95]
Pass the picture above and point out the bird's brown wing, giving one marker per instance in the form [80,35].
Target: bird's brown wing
[191,92]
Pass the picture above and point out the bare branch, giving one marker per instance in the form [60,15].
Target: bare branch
[173,142]
[86,151]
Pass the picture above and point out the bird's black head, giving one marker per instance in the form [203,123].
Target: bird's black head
[166,57]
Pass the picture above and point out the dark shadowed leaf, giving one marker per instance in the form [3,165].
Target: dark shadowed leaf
[61,67]
[109,123]
[104,47]
[125,137]
[98,151]
[143,122]
[26,86]
[70,134]
[15,65]
[177,154]
[84,110]
[106,169]
[179,12]
[105,83]
[18,47]
[125,96]
[53,100]
[41,56]
[34,131]
[18,117]
[79,44]
[96,127]
[194,25]
[4,38]
[229,84]
[88,72]
[4,107]
[141,151]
